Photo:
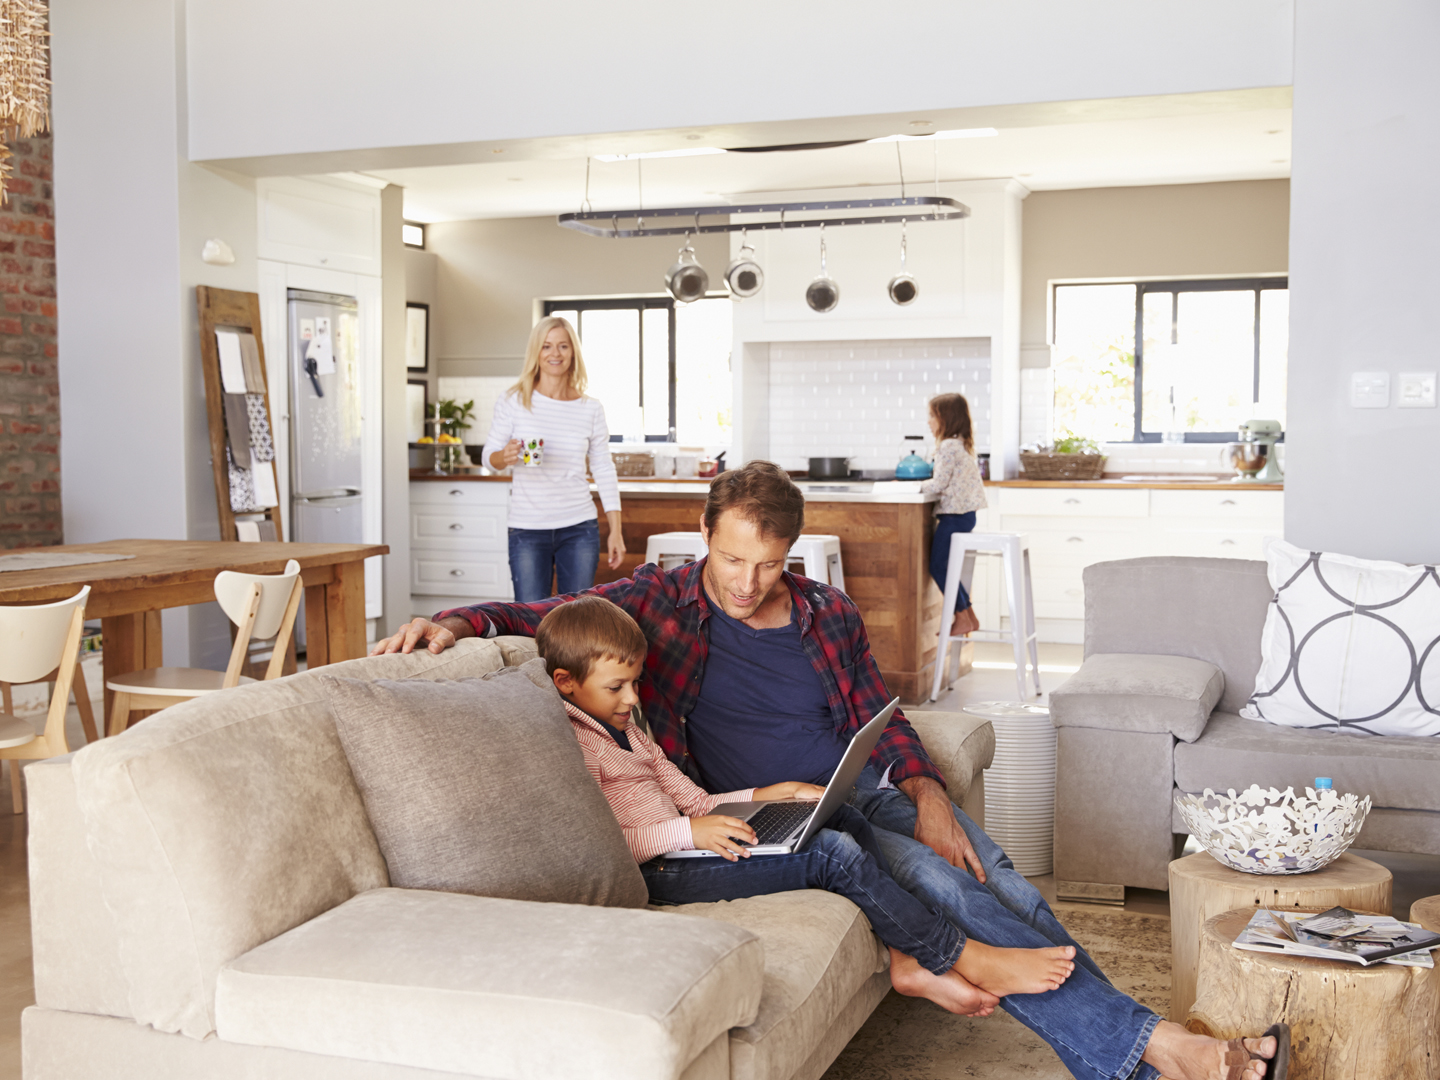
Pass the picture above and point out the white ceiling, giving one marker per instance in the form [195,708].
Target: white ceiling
[1243,143]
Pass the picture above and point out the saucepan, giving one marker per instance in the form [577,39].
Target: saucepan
[829,468]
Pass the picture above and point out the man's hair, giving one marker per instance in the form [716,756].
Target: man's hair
[589,628]
[763,494]
[953,413]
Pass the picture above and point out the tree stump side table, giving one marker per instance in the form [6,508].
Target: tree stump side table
[1426,912]
[1202,887]
[1345,1020]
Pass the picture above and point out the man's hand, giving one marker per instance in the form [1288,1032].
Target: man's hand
[719,833]
[790,789]
[936,827]
[438,638]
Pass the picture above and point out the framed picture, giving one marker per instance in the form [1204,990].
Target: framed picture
[417,337]
[417,397]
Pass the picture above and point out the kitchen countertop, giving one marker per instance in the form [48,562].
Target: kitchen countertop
[861,491]
[1164,484]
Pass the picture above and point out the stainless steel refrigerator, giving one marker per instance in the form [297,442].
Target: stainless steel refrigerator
[325,491]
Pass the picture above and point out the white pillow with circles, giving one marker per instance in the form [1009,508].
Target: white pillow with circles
[1349,644]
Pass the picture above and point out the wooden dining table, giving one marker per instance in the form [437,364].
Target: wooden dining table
[128,595]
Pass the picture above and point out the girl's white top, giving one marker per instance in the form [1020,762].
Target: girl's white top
[957,479]
[555,493]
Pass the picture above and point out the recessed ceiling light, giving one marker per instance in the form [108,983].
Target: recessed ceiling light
[1025,174]
[1274,131]
[515,179]
[499,150]
[960,133]
[1280,161]
[693,138]
[922,123]
[691,151]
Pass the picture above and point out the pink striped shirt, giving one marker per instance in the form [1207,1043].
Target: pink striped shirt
[651,798]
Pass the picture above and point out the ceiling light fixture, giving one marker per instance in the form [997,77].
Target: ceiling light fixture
[689,151]
[959,133]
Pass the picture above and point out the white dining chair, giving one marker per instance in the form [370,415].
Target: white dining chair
[36,644]
[260,605]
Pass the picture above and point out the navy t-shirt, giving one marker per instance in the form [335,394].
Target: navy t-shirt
[762,715]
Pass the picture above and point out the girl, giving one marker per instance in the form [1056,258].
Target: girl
[957,480]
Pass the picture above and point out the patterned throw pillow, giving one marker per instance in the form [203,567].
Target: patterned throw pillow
[1349,644]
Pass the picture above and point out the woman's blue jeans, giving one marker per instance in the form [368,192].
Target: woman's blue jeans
[1098,1032]
[835,860]
[570,555]
[946,526]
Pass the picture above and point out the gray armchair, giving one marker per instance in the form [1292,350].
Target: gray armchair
[1172,645]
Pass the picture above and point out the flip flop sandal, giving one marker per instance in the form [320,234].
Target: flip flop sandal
[1276,1068]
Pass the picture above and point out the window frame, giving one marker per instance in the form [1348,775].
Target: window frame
[639,304]
[1175,286]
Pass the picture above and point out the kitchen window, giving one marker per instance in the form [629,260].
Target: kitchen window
[661,369]
[1143,361]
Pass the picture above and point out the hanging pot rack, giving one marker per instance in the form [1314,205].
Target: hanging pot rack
[840,212]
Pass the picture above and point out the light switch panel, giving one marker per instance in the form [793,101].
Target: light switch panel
[1370,390]
[1417,390]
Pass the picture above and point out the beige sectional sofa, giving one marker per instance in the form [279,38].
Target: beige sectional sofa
[208,900]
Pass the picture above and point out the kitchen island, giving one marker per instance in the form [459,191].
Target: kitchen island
[884,530]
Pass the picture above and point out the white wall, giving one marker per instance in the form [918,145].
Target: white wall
[448,73]
[1364,229]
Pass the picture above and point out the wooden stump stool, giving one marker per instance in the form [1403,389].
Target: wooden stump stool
[1346,1021]
[1426,912]
[1201,887]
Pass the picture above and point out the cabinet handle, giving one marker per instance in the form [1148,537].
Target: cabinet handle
[1227,502]
[457,526]
[1070,502]
[457,491]
[457,573]
[1075,540]
[1229,542]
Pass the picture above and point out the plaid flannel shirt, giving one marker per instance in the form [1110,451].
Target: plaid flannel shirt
[671,608]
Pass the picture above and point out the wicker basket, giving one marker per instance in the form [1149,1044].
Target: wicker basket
[633,463]
[1048,466]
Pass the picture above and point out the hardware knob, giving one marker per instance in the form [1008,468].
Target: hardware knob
[457,573]
[1072,502]
[457,526]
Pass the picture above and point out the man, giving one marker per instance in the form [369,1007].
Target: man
[755,676]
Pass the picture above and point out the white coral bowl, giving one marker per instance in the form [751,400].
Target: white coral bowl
[1266,831]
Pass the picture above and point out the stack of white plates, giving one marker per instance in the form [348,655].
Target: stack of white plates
[1020,783]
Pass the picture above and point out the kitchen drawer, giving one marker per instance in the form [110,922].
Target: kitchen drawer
[459,493]
[1214,543]
[487,579]
[1074,502]
[1081,547]
[458,528]
[1267,505]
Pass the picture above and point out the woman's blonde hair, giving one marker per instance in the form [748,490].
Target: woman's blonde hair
[530,373]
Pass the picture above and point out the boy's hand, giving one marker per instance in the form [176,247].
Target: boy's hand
[790,789]
[719,833]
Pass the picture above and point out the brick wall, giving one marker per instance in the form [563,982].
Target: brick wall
[29,384]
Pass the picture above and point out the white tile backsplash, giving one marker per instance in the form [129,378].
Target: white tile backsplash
[858,399]
[484,390]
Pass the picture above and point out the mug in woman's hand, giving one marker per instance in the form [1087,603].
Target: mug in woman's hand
[532,450]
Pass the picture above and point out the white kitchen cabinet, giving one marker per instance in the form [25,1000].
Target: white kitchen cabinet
[1072,528]
[459,543]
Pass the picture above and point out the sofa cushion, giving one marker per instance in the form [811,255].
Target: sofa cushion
[224,821]
[448,982]
[1234,752]
[819,952]
[1349,643]
[479,786]
[1139,692]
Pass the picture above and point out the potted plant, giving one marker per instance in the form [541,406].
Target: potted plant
[1070,457]
[450,419]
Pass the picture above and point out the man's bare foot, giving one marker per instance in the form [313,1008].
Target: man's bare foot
[1182,1055]
[1015,971]
[950,991]
[965,622]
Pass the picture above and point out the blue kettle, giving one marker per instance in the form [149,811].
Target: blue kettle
[912,466]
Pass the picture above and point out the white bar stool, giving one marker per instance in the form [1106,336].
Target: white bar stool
[671,549]
[1014,548]
[820,552]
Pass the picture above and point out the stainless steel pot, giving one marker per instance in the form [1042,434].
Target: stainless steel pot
[829,468]
[902,288]
[744,276]
[822,294]
[687,280]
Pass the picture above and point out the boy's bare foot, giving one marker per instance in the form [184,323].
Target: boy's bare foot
[1182,1055]
[950,991]
[965,622]
[1015,971]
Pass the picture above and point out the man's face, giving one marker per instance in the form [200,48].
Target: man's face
[744,567]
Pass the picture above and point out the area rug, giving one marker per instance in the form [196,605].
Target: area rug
[910,1039]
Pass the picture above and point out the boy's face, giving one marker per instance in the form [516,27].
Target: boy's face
[608,693]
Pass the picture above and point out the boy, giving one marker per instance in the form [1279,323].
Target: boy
[594,652]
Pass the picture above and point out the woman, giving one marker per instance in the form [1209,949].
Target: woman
[957,481]
[552,518]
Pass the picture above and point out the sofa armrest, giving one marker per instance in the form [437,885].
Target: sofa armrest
[1139,692]
[515,649]
[961,746]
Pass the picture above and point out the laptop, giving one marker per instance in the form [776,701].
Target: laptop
[785,825]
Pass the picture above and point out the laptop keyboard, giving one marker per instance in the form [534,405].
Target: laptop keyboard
[774,822]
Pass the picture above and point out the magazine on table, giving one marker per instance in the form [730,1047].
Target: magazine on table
[1340,934]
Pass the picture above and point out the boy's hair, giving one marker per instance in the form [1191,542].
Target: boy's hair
[953,413]
[589,628]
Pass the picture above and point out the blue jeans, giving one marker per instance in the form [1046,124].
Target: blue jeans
[946,526]
[1097,1031]
[570,554]
[835,860]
